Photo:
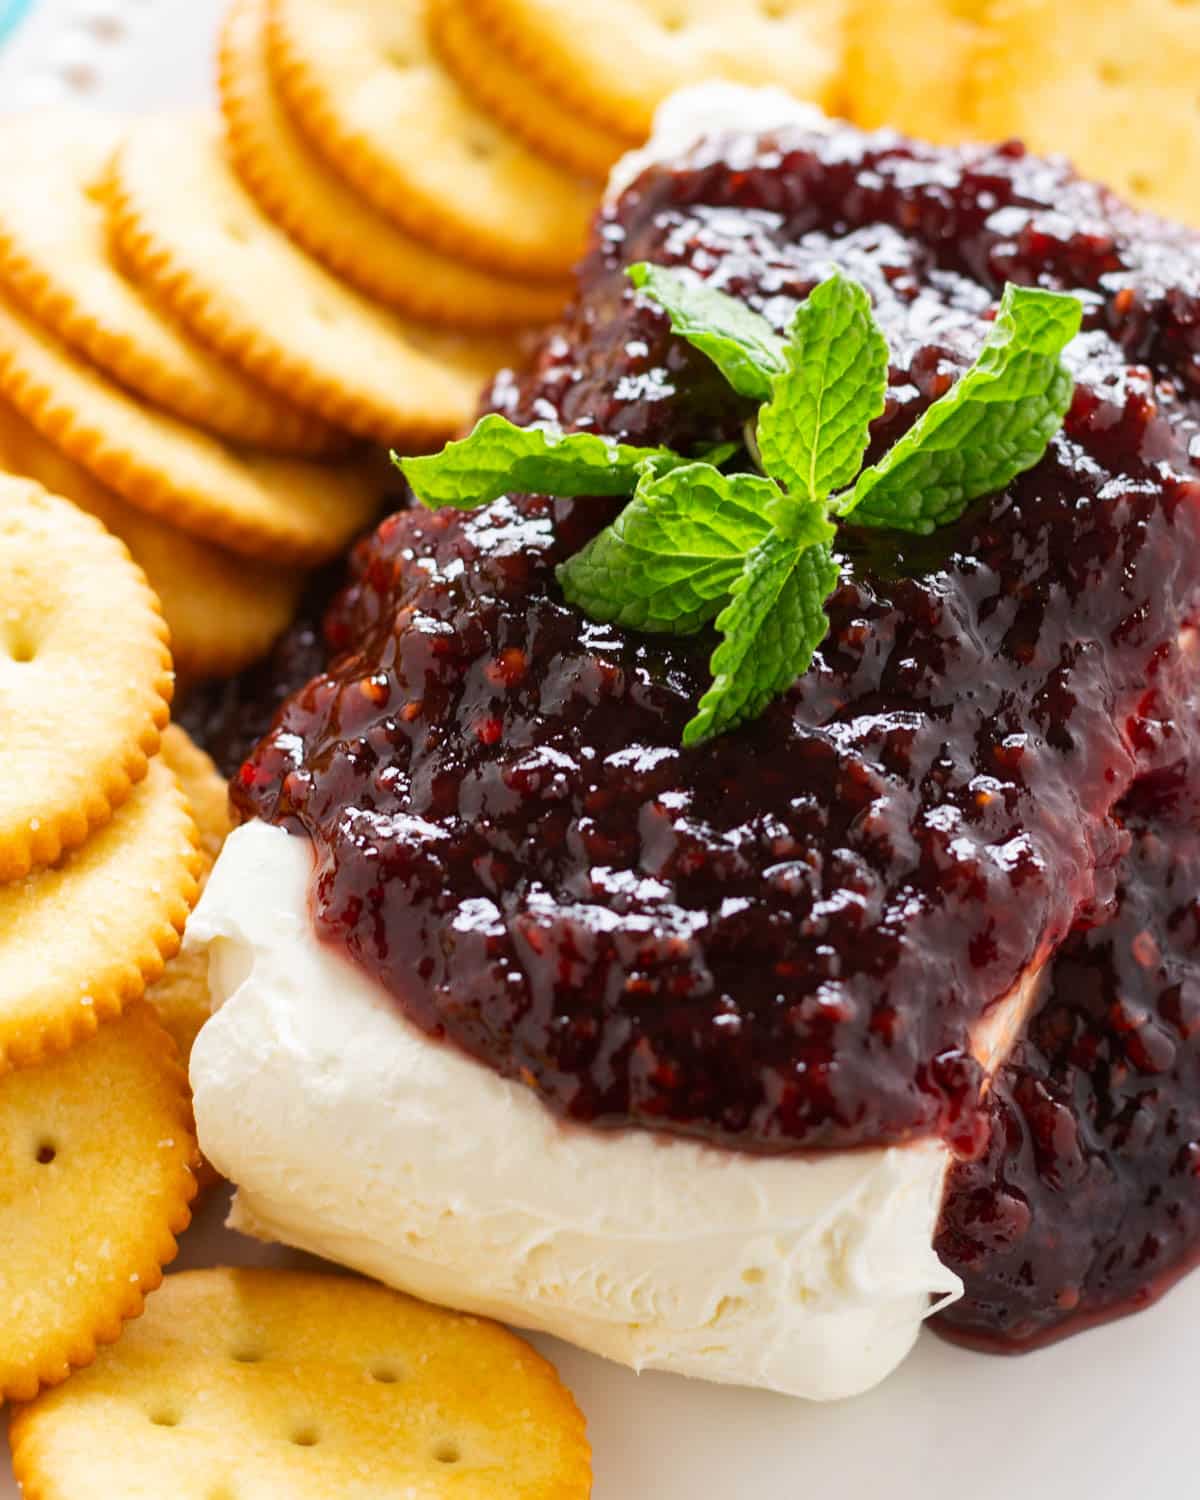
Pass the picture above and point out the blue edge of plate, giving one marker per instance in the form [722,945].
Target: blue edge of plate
[11,12]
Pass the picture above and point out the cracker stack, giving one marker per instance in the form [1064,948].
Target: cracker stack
[99,864]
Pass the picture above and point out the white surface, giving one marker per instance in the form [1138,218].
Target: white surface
[1103,1417]
[351,1134]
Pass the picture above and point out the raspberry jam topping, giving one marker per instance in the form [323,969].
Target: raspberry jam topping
[789,937]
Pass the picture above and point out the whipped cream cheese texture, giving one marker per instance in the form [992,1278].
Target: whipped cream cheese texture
[353,1135]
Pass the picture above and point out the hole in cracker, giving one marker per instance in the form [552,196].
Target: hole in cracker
[448,1452]
[399,59]
[323,314]
[19,641]
[165,1416]
[1110,73]
[774,10]
[479,148]
[238,231]
[247,1355]
[306,1437]
[673,20]
[385,1374]
[1140,184]
[46,1152]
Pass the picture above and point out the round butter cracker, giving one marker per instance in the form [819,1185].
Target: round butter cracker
[362,80]
[327,218]
[1112,84]
[491,77]
[189,228]
[290,510]
[56,261]
[256,1385]
[615,63]
[85,677]
[95,1182]
[223,611]
[82,939]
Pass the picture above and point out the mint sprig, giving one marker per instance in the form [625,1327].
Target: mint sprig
[752,553]
[497,458]
[992,425]
[739,341]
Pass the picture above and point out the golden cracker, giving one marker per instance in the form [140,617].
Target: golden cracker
[55,260]
[908,65]
[1110,83]
[297,190]
[615,63]
[181,997]
[223,611]
[85,676]
[500,88]
[266,1384]
[206,792]
[290,510]
[191,230]
[83,938]
[361,79]
[95,1181]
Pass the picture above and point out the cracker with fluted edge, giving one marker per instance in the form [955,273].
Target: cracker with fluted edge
[191,230]
[181,998]
[331,221]
[290,510]
[265,1384]
[96,1153]
[85,676]
[499,86]
[82,939]
[362,80]
[56,261]
[223,611]
[616,62]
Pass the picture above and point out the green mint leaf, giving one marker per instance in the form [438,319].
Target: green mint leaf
[993,423]
[669,561]
[740,342]
[813,432]
[773,623]
[498,458]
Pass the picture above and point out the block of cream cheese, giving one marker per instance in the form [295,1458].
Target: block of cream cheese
[353,1135]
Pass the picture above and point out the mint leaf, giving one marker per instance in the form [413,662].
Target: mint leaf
[993,424]
[773,623]
[740,342]
[813,432]
[498,458]
[669,561]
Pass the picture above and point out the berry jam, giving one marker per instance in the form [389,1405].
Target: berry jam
[790,937]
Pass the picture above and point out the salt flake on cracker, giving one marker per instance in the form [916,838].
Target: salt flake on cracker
[362,80]
[266,1384]
[95,1160]
[84,938]
[56,260]
[85,676]
[299,192]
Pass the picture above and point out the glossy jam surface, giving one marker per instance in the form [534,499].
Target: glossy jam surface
[1087,1199]
[787,938]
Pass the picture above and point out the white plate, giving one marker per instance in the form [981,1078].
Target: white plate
[1106,1415]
